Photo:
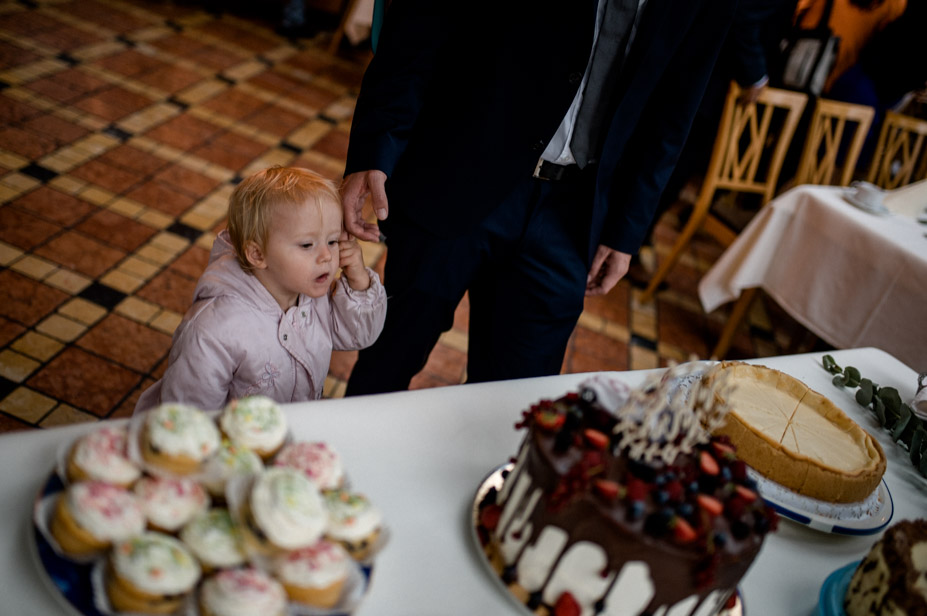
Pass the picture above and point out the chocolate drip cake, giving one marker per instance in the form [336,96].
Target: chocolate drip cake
[621,502]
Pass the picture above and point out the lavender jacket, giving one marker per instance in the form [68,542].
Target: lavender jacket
[236,341]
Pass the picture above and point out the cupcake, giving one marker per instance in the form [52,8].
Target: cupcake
[229,461]
[284,511]
[90,515]
[178,438]
[151,573]
[214,539]
[255,422]
[314,575]
[101,456]
[318,461]
[353,522]
[170,503]
[242,592]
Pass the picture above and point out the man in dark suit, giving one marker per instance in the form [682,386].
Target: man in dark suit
[516,150]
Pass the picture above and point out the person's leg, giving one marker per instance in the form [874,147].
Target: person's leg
[526,300]
[425,279]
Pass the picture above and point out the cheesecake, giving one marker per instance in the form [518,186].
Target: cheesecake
[795,436]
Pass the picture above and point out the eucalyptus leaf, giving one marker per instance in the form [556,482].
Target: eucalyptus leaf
[918,441]
[864,393]
[922,467]
[830,365]
[904,418]
[852,375]
[839,380]
[879,407]
[913,424]
[891,418]
[891,399]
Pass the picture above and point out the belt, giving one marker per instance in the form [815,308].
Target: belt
[546,170]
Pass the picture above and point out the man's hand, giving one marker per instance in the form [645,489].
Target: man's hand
[608,267]
[354,193]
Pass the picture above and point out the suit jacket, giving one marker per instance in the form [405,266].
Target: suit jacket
[461,99]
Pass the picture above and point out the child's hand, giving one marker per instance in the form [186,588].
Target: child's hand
[352,262]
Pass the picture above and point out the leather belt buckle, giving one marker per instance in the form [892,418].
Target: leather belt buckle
[552,172]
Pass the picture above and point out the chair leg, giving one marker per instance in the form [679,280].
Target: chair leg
[699,212]
[738,312]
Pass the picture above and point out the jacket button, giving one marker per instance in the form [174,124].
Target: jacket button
[284,336]
[575,77]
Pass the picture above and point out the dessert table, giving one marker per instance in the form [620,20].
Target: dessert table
[420,456]
[853,278]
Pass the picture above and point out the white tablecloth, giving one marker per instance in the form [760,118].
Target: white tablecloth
[421,456]
[853,278]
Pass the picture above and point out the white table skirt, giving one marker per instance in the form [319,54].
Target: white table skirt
[421,455]
[852,278]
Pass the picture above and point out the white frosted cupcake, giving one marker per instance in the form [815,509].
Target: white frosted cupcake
[255,422]
[353,522]
[102,456]
[170,503]
[151,573]
[177,438]
[214,539]
[319,461]
[229,461]
[242,592]
[314,575]
[285,510]
[90,515]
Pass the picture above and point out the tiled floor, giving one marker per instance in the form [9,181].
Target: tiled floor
[124,125]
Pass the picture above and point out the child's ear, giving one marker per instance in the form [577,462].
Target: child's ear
[255,255]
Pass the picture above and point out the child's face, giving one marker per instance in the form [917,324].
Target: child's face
[301,255]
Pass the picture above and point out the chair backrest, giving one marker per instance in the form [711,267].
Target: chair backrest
[832,124]
[901,144]
[747,155]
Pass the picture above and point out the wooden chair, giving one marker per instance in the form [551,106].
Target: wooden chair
[830,122]
[818,165]
[901,144]
[744,141]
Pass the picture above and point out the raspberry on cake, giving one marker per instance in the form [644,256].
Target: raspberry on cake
[255,422]
[90,515]
[177,438]
[623,502]
[102,456]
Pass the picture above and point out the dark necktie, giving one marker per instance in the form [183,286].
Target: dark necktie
[603,72]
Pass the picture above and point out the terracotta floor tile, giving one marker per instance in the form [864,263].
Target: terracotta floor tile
[230,150]
[312,96]
[80,253]
[26,143]
[113,103]
[683,328]
[235,104]
[276,120]
[593,351]
[334,144]
[52,127]
[13,111]
[612,307]
[68,85]
[191,263]
[139,162]
[106,16]
[162,197]
[12,55]
[126,342]
[178,44]
[170,79]
[23,230]
[84,381]
[9,331]
[129,63]
[106,175]
[66,38]
[425,380]
[170,290]
[184,132]
[10,424]
[462,313]
[27,301]
[216,57]
[447,364]
[186,181]
[238,36]
[115,230]
[54,206]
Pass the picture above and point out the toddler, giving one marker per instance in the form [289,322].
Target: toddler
[268,309]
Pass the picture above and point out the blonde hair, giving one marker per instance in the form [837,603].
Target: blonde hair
[251,203]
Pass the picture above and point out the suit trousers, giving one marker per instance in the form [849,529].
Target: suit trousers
[525,268]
